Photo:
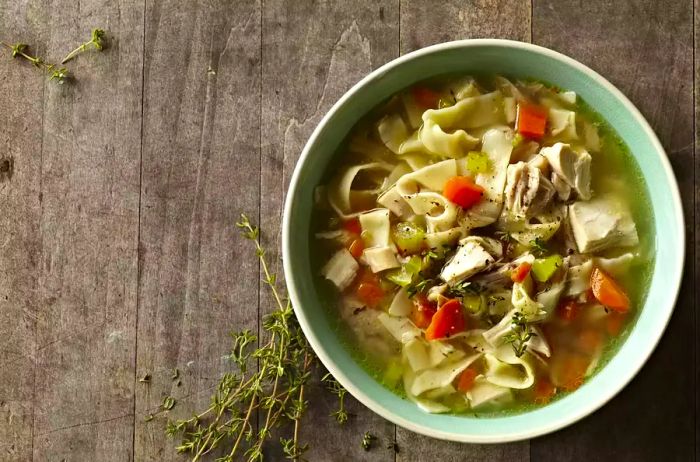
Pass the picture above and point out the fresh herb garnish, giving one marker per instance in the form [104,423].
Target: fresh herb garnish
[519,335]
[21,50]
[273,391]
[168,403]
[465,288]
[96,42]
[341,415]
[419,285]
[367,440]
[538,247]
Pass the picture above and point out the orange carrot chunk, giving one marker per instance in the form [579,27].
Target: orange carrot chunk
[425,97]
[370,294]
[544,391]
[608,292]
[531,120]
[447,321]
[614,323]
[567,309]
[422,312]
[520,273]
[466,380]
[352,226]
[462,191]
[356,247]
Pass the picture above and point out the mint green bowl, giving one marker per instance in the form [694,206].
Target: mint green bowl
[496,57]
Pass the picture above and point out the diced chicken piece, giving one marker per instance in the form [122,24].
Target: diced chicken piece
[471,257]
[561,187]
[527,190]
[573,167]
[380,258]
[602,223]
[341,269]
[540,162]
[401,305]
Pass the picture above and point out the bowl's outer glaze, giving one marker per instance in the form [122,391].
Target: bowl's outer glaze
[492,57]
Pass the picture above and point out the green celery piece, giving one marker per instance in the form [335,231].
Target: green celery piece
[399,276]
[544,268]
[478,162]
[473,303]
[404,276]
[393,374]
[408,237]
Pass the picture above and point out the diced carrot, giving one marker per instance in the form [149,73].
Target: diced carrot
[352,226]
[370,294]
[425,97]
[422,312]
[608,291]
[544,391]
[357,246]
[466,379]
[462,191]
[567,309]
[614,323]
[589,340]
[520,273]
[531,120]
[573,371]
[447,321]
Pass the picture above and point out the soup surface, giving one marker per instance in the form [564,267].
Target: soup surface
[488,242]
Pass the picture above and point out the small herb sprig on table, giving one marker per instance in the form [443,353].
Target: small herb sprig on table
[96,41]
[57,74]
[21,50]
[276,388]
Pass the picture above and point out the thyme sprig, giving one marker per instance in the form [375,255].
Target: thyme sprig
[96,41]
[21,51]
[538,247]
[341,415]
[520,334]
[367,440]
[275,389]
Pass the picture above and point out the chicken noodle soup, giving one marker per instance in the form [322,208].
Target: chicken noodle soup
[488,240]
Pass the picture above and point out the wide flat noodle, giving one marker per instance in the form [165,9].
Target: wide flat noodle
[343,197]
[498,146]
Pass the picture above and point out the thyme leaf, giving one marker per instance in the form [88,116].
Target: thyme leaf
[519,335]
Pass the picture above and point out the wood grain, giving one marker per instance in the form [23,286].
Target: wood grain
[198,279]
[647,53]
[424,24]
[86,255]
[118,252]
[312,53]
[20,238]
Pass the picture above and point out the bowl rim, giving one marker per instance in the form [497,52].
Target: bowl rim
[581,411]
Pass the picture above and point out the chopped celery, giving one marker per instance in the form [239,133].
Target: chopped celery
[399,276]
[408,237]
[445,102]
[478,162]
[413,265]
[473,303]
[517,139]
[544,268]
[393,374]
[404,276]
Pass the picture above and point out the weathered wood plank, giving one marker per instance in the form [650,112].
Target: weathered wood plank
[693,257]
[312,53]
[20,214]
[645,49]
[198,278]
[87,257]
[428,23]
[424,24]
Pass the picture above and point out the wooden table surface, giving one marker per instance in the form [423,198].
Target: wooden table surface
[118,254]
